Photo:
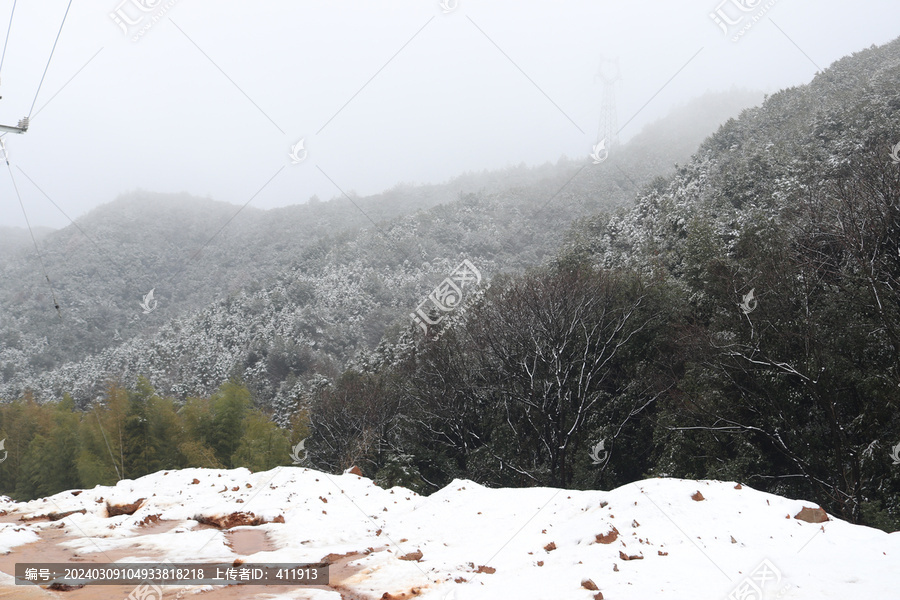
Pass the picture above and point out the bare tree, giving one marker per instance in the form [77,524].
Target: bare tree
[547,347]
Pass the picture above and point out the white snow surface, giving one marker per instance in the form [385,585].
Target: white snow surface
[542,543]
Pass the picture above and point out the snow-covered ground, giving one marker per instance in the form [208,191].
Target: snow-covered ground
[652,539]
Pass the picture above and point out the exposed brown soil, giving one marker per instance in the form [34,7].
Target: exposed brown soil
[609,537]
[235,519]
[414,556]
[812,515]
[244,542]
[53,516]
[114,510]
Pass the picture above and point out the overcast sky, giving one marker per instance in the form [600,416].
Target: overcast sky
[210,96]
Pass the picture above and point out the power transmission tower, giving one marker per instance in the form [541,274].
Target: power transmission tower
[22,127]
[609,74]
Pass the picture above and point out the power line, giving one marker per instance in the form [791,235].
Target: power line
[8,29]
[23,125]
[52,50]
[36,249]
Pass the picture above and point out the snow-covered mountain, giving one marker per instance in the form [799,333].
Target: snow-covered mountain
[335,272]
[658,538]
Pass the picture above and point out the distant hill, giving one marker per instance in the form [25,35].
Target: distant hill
[292,270]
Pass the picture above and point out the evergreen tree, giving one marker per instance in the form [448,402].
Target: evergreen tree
[196,417]
[229,407]
[48,465]
[19,423]
[263,445]
[140,448]
[167,432]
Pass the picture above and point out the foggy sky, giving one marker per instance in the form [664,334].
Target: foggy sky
[211,97]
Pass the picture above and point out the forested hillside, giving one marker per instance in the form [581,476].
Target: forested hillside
[740,322]
[190,251]
[280,297]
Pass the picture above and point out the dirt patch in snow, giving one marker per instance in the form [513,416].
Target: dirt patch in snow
[53,516]
[114,510]
[49,550]
[812,515]
[245,542]
[235,519]
[607,538]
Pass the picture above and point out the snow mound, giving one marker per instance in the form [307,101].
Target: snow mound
[654,538]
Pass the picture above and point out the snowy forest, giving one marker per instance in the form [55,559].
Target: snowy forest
[722,307]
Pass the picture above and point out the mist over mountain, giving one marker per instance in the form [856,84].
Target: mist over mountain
[13,239]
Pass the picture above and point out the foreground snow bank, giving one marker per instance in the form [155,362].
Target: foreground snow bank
[655,538]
